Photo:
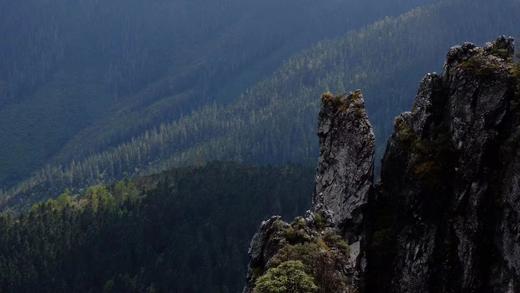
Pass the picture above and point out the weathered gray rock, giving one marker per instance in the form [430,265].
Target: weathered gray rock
[344,177]
[343,183]
[451,173]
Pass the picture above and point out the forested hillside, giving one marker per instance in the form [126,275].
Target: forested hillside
[78,77]
[186,230]
[274,121]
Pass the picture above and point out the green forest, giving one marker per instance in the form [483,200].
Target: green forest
[185,230]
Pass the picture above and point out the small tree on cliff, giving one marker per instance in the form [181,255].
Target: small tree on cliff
[288,277]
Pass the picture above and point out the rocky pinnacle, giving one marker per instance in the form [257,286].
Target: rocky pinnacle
[345,169]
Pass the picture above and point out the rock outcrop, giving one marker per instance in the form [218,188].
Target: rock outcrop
[343,183]
[345,170]
[450,181]
[312,240]
[445,216]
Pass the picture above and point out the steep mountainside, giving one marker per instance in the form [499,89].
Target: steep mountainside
[445,216]
[80,76]
[185,230]
[274,121]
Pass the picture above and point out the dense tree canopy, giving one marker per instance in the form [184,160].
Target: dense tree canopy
[186,230]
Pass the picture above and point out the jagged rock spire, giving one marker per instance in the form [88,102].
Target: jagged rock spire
[343,183]
[345,170]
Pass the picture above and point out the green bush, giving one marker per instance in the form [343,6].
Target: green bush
[320,220]
[288,277]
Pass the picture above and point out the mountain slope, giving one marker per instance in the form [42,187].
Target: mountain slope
[273,122]
[77,77]
[382,60]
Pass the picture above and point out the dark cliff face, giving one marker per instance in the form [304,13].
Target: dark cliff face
[450,181]
[446,215]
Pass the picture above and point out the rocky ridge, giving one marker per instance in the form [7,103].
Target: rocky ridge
[445,216]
